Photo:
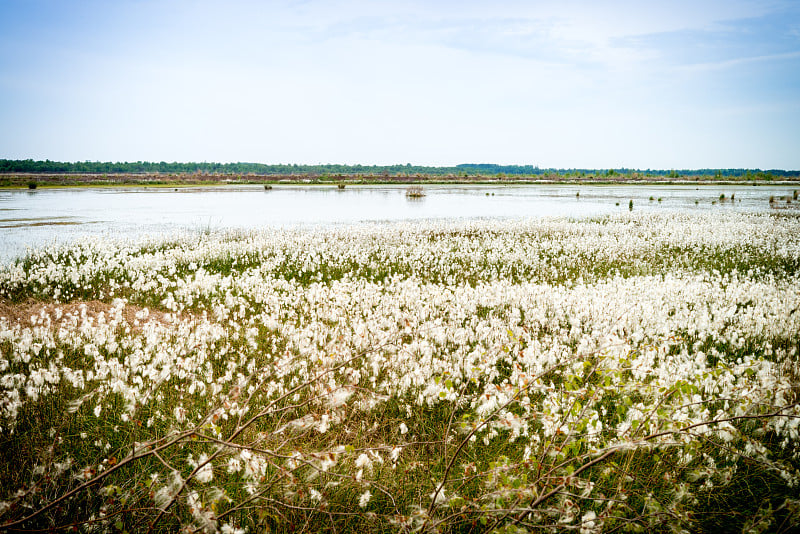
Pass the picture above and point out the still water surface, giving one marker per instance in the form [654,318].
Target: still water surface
[40,217]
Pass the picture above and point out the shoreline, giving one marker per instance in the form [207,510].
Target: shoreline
[16,181]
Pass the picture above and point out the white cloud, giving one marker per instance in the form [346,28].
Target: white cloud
[737,62]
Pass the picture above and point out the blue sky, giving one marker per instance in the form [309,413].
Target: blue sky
[657,84]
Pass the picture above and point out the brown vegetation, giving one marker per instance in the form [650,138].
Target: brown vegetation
[21,312]
[200,178]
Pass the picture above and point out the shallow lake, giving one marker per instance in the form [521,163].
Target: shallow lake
[32,218]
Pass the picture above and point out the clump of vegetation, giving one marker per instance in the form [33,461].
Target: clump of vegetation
[340,186]
[32,185]
[267,187]
[415,191]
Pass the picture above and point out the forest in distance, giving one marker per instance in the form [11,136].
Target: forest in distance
[465,170]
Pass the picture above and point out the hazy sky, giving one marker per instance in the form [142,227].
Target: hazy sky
[643,84]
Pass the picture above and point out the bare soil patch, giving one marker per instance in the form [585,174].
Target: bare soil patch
[21,312]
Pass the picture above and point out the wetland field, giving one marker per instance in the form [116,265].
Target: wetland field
[621,371]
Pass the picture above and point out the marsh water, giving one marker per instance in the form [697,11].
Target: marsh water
[33,218]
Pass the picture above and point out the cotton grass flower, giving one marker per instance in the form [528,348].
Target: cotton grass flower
[593,333]
[206,470]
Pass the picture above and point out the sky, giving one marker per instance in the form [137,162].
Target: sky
[682,84]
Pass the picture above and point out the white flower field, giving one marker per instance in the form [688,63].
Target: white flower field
[637,372]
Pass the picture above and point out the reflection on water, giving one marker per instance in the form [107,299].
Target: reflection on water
[27,222]
[33,218]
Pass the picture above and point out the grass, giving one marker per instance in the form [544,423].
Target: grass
[636,371]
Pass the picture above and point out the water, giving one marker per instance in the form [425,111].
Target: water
[40,217]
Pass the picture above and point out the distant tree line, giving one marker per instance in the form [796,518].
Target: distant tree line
[148,167]
[465,169]
[516,170]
